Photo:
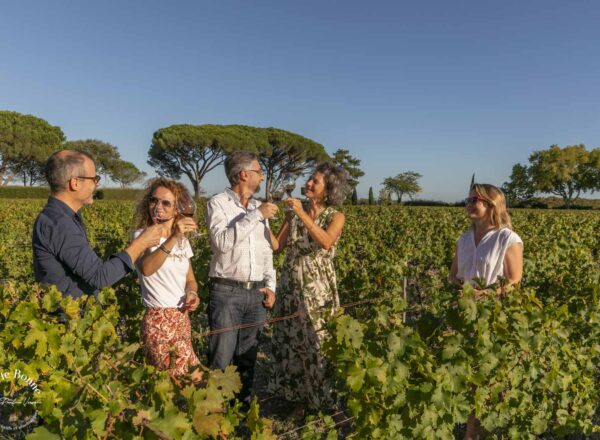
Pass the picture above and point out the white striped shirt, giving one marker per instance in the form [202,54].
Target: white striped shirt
[240,240]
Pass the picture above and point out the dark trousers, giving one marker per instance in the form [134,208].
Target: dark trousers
[229,306]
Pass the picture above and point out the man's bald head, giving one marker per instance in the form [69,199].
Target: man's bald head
[62,166]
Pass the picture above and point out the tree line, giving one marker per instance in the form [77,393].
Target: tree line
[565,172]
[193,151]
[27,141]
[179,150]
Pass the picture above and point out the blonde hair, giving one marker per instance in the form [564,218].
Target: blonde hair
[497,203]
[142,217]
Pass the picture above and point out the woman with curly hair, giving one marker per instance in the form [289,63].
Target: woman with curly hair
[308,286]
[169,288]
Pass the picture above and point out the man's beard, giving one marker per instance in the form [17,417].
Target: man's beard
[257,190]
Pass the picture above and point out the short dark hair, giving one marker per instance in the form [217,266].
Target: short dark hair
[237,162]
[62,166]
[336,182]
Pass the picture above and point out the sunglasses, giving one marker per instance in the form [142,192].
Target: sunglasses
[96,179]
[473,200]
[167,204]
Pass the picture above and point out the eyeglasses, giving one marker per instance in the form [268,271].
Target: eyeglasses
[259,172]
[96,179]
[167,204]
[473,200]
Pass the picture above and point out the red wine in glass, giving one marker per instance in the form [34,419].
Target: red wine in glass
[187,208]
[289,185]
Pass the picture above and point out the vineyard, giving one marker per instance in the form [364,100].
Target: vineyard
[413,356]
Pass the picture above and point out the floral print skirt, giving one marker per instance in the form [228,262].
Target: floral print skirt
[167,338]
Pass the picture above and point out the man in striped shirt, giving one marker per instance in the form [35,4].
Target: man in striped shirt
[242,277]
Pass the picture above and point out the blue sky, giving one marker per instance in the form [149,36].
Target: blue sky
[445,88]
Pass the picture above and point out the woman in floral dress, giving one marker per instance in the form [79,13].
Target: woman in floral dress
[308,287]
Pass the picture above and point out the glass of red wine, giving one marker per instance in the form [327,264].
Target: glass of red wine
[289,185]
[158,215]
[186,207]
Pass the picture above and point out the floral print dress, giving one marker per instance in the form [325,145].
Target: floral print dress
[308,285]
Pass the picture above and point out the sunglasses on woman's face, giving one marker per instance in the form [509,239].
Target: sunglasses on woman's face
[473,200]
[167,204]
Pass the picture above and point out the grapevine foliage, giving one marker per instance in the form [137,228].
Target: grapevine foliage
[413,364]
[94,385]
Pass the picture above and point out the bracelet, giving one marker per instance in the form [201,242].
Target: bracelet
[191,291]
[164,249]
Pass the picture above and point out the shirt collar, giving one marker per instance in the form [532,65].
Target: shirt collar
[62,207]
[236,198]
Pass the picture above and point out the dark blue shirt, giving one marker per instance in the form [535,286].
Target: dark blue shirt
[62,255]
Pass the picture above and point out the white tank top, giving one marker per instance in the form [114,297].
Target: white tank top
[166,286]
[486,260]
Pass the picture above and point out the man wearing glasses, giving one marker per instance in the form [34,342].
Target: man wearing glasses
[242,277]
[61,253]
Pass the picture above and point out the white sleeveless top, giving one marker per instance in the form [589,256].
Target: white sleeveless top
[485,261]
[166,286]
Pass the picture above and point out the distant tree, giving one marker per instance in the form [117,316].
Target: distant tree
[385,197]
[345,160]
[404,183]
[106,155]
[195,150]
[285,153]
[354,197]
[371,196]
[519,188]
[26,142]
[565,172]
[125,173]
[29,170]
[593,169]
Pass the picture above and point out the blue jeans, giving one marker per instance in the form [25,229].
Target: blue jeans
[230,306]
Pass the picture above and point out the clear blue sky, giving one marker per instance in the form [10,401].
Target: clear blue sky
[445,88]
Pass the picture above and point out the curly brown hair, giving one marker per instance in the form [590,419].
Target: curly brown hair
[142,217]
[336,182]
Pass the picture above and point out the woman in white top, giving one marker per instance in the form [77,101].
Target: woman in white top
[490,251]
[169,288]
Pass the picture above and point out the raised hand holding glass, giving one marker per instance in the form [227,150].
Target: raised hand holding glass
[186,207]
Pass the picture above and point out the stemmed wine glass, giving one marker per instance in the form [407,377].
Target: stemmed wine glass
[289,185]
[157,218]
[187,208]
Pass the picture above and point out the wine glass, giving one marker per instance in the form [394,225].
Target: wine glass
[156,215]
[276,196]
[305,201]
[289,185]
[187,208]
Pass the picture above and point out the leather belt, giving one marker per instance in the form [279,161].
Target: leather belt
[246,285]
